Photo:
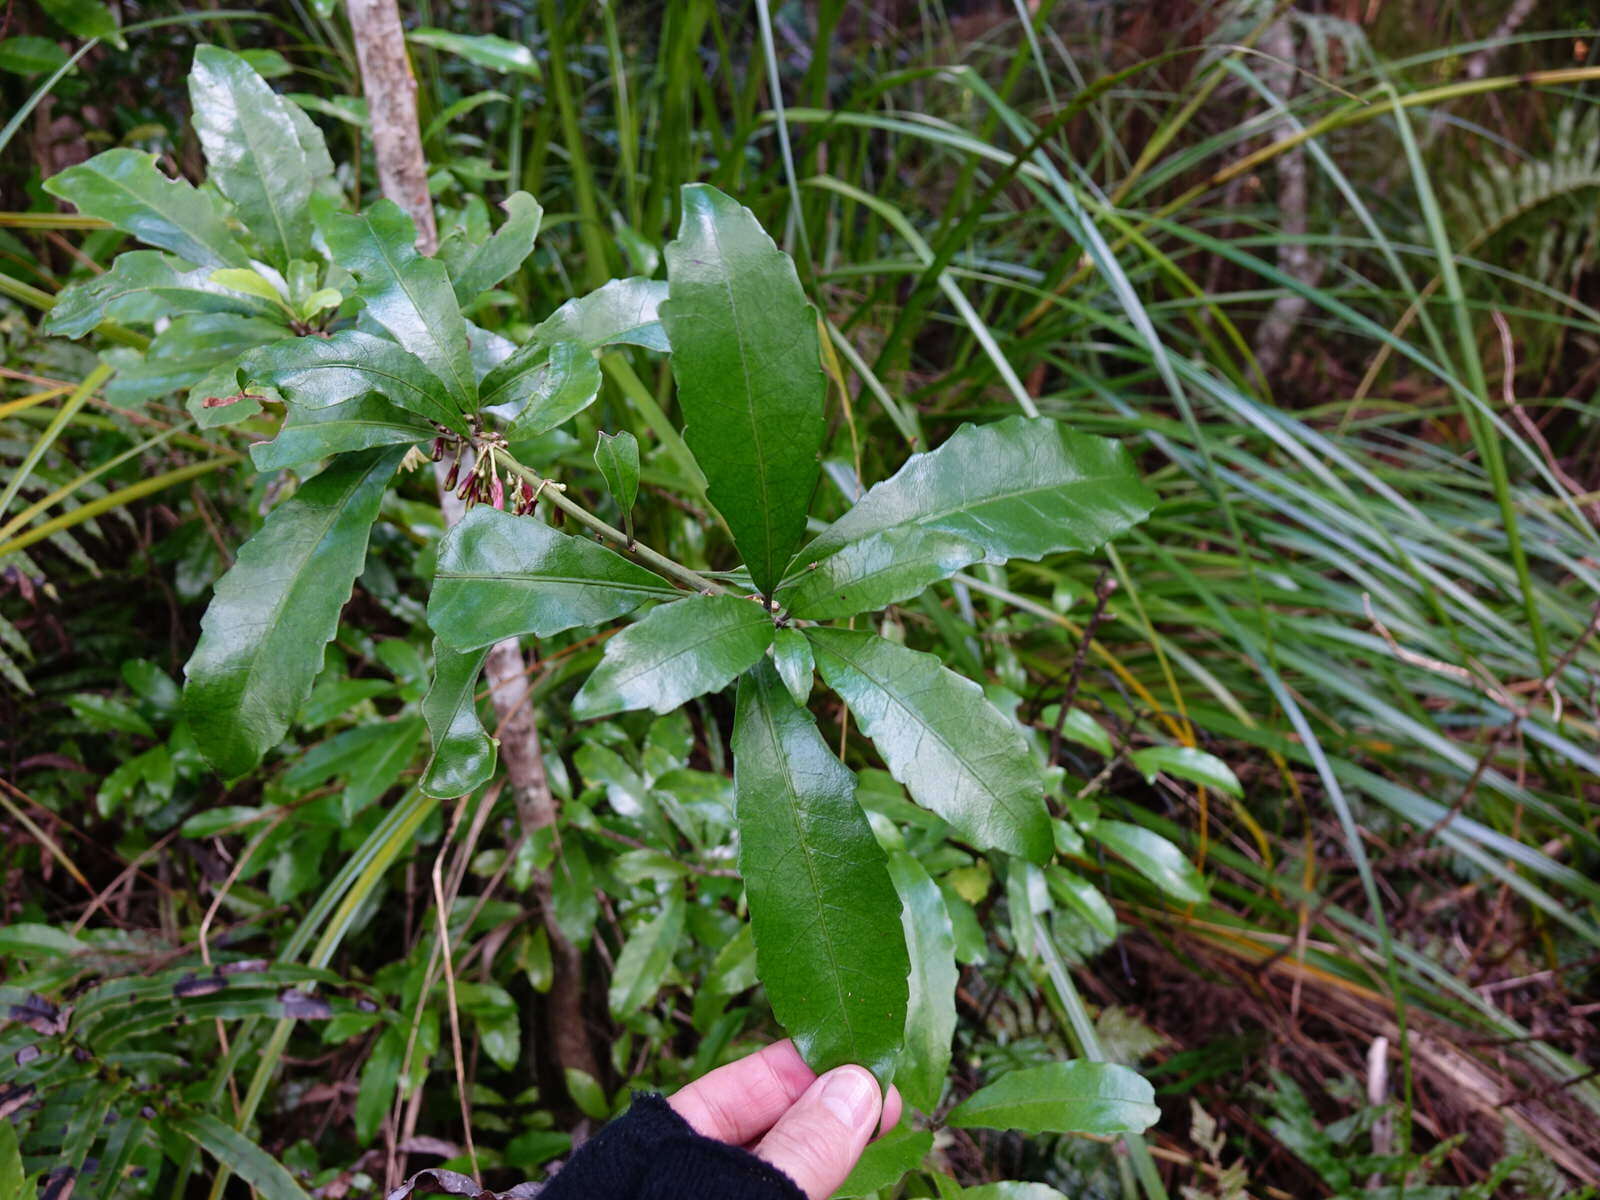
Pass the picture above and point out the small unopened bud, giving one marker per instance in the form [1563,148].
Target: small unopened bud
[497,490]
[438,449]
[455,470]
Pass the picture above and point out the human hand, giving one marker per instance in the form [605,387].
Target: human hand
[812,1128]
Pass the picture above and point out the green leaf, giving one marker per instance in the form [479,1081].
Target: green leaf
[215,399]
[1187,763]
[931,1011]
[955,752]
[84,18]
[1078,894]
[27,939]
[1157,859]
[239,1154]
[496,53]
[253,151]
[474,269]
[825,915]
[308,434]
[272,614]
[875,572]
[502,576]
[625,311]
[535,393]
[31,56]
[749,372]
[186,352]
[677,652]
[12,1176]
[645,959]
[379,1075]
[228,819]
[125,188]
[142,287]
[587,1094]
[1062,1097]
[1078,727]
[886,1161]
[108,715]
[248,281]
[791,655]
[617,457]
[321,372]
[410,296]
[463,753]
[1020,488]
[1010,1189]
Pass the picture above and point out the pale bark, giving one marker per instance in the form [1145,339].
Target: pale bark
[1294,257]
[391,93]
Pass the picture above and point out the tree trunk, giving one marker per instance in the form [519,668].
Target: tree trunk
[391,93]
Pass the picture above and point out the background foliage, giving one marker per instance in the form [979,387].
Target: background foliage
[1330,279]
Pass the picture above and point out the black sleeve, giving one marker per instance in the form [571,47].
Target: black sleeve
[651,1153]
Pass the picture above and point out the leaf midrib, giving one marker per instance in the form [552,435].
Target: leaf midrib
[971,770]
[835,974]
[169,218]
[988,499]
[749,403]
[336,511]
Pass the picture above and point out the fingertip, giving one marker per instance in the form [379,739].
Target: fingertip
[893,1110]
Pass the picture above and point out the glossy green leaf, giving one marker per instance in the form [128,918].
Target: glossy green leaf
[616,455]
[126,188]
[31,56]
[321,372]
[1078,726]
[875,572]
[474,269]
[587,1094]
[1020,488]
[955,752]
[645,959]
[254,155]
[536,391]
[410,296]
[262,638]
[248,281]
[676,652]
[931,1010]
[886,1161]
[463,752]
[308,434]
[749,372]
[1075,892]
[623,311]
[1062,1097]
[503,576]
[485,49]
[142,287]
[829,945]
[216,399]
[1011,1189]
[188,350]
[1186,762]
[1157,859]
[239,1154]
[84,18]
[796,665]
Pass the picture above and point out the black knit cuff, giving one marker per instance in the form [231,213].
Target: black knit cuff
[651,1153]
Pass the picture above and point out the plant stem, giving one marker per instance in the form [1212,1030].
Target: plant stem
[658,563]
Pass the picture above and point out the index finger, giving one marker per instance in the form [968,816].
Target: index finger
[741,1101]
